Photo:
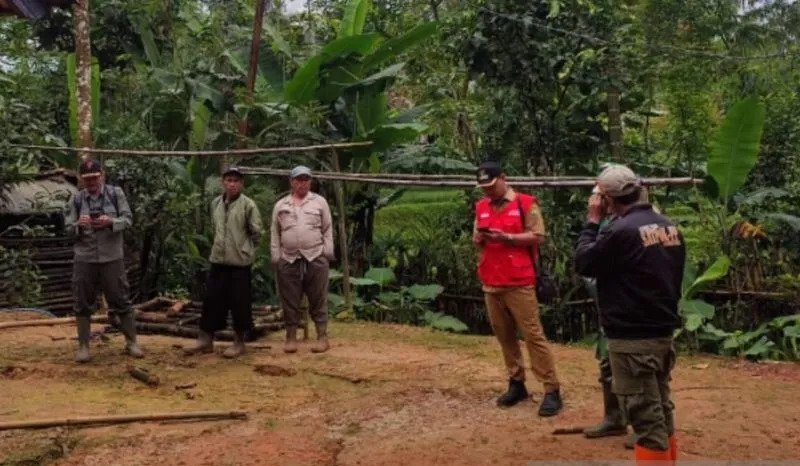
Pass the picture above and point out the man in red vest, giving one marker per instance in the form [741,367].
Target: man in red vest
[508,231]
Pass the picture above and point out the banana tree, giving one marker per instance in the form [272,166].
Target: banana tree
[734,154]
[350,76]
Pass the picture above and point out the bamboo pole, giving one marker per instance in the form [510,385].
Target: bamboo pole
[522,182]
[97,420]
[49,322]
[188,153]
[414,176]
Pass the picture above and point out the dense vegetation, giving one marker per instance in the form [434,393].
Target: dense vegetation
[438,85]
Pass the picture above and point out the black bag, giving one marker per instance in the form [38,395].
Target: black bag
[546,288]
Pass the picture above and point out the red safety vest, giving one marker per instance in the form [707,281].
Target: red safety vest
[502,264]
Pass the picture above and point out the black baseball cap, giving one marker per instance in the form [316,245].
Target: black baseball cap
[89,168]
[488,172]
[233,170]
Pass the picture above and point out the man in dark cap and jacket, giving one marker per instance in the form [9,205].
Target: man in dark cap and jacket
[98,215]
[638,262]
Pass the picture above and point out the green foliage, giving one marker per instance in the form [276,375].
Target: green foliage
[735,149]
[776,339]
[441,321]
[381,276]
[379,299]
[19,278]
[355,14]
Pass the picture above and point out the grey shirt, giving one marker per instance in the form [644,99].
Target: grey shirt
[99,246]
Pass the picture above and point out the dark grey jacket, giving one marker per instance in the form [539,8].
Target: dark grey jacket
[99,246]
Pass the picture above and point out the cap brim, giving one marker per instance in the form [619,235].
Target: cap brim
[488,184]
[91,175]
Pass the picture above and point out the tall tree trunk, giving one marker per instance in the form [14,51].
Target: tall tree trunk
[83,72]
[614,116]
[255,44]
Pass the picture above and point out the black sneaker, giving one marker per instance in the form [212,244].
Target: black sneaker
[516,393]
[551,404]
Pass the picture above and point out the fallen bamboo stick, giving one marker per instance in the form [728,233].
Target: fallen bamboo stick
[49,322]
[143,375]
[95,420]
[569,430]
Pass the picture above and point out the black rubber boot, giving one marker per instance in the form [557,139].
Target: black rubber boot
[551,404]
[127,325]
[516,393]
[84,324]
[613,422]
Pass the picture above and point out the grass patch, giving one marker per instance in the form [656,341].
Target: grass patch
[41,452]
[417,210]
[421,196]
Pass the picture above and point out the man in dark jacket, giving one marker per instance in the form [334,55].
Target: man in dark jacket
[97,216]
[638,262]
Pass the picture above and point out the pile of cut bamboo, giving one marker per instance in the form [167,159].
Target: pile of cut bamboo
[182,318]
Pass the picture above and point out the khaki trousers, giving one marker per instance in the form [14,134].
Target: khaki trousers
[513,309]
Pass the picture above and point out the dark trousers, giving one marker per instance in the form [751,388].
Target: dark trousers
[89,278]
[641,375]
[299,278]
[228,288]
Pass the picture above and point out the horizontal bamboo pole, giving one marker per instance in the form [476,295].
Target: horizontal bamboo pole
[411,176]
[49,322]
[187,153]
[96,420]
[530,182]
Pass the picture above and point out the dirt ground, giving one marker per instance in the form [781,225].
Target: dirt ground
[384,394]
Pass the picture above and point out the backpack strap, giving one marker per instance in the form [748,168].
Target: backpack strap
[108,190]
[78,201]
[524,204]
[111,192]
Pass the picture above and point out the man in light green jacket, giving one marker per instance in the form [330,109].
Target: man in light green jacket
[237,230]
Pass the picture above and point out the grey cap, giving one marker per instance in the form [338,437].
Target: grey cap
[618,180]
[299,171]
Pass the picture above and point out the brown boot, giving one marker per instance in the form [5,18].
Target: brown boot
[291,340]
[322,344]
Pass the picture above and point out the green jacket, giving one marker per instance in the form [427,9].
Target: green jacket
[237,229]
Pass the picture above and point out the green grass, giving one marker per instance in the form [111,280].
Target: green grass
[415,210]
[423,196]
